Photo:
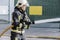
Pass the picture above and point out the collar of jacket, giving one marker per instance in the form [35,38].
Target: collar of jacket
[19,9]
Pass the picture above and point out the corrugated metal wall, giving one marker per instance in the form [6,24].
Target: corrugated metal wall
[51,8]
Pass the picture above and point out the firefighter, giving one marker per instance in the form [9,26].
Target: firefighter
[20,21]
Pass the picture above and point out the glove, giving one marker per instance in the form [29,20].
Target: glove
[28,23]
[33,22]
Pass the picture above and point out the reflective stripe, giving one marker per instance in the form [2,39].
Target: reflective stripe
[16,38]
[26,26]
[18,31]
[19,17]
[20,25]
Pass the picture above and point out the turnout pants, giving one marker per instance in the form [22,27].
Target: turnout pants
[17,36]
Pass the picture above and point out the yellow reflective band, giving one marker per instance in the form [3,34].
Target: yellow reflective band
[16,38]
[19,17]
[26,26]
[18,31]
[18,28]
[20,25]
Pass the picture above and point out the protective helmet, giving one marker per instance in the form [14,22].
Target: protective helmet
[23,2]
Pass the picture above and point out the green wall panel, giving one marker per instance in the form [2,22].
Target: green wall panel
[51,9]
[15,1]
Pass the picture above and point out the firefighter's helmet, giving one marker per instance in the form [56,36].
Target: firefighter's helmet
[23,2]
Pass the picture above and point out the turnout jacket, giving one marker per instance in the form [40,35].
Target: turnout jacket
[20,20]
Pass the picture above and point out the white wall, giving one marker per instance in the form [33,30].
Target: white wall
[4,9]
[11,8]
[10,5]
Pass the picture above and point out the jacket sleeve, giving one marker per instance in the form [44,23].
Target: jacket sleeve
[15,19]
[27,20]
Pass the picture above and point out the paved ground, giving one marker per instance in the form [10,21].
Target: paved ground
[7,38]
[36,31]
